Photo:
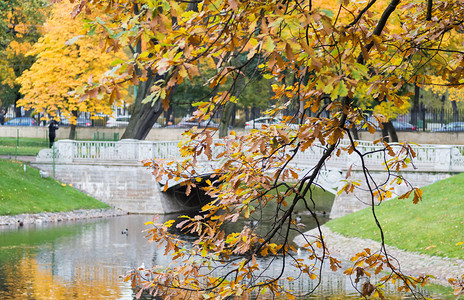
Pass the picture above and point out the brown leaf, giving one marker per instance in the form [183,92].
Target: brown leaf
[233,4]
[348,173]
[367,289]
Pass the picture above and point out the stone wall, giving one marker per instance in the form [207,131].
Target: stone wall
[360,198]
[129,187]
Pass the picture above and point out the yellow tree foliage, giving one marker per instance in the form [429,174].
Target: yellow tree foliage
[7,65]
[21,23]
[439,87]
[341,58]
[66,59]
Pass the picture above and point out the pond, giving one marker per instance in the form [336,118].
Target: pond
[86,259]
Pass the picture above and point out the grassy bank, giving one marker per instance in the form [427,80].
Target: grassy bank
[21,146]
[27,192]
[434,226]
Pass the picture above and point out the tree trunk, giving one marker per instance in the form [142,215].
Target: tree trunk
[143,115]
[385,133]
[17,111]
[354,132]
[415,107]
[442,113]
[168,116]
[236,89]
[225,118]
[254,112]
[388,131]
[455,111]
[72,131]
[233,115]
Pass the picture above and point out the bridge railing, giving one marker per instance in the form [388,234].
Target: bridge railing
[444,158]
[68,151]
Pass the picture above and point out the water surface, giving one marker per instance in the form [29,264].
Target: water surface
[86,259]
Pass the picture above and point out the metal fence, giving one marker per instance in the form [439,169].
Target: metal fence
[431,119]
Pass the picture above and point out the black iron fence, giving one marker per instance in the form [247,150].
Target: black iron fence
[429,119]
[425,119]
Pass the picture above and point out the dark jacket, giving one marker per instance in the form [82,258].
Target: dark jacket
[52,127]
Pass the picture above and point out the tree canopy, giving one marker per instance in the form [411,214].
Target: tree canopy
[20,26]
[66,59]
[329,58]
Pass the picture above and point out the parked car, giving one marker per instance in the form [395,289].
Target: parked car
[21,121]
[403,126]
[259,122]
[399,126]
[80,122]
[454,126]
[188,122]
[121,121]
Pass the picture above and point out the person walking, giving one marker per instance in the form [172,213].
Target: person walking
[52,127]
[2,116]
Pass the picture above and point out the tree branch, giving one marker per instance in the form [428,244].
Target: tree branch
[429,10]
[380,26]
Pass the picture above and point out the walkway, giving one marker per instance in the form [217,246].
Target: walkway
[411,263]
[20,158]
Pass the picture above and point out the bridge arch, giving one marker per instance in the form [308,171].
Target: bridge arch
[197,196]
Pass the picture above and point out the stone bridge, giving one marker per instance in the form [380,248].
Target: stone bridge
[113,173]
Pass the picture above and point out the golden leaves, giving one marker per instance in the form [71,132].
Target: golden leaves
[321,51]
[417,195]
[458,284]
[63,66]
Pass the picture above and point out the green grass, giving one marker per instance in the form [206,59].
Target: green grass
[22,146]
[434,226]
[31,146]
[26,192]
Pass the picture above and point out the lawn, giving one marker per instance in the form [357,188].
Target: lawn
[26,192]
[12,146]
[434,226]
[22,146]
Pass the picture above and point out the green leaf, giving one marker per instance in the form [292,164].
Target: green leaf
[73,40]
[328,88]
[92,31]
[362,69]
[268,44]
[100,21]
[117,35]
[328,13]
[340,90]
[116,62]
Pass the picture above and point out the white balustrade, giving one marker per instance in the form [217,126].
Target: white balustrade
[442,158]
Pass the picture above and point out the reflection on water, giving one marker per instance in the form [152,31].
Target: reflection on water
[72,260]
[85,260]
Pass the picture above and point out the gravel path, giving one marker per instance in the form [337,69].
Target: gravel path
[411,263]
[45,217]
